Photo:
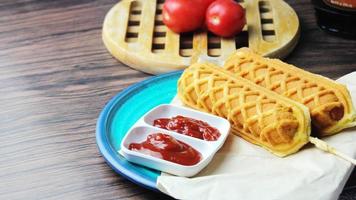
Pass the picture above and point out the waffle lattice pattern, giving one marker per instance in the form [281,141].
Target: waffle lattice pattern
[325,106]
[134,33]
[253,114]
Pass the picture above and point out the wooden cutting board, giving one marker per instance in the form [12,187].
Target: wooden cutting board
[134,33]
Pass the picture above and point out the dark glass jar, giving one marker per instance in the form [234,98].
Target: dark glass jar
[337,16]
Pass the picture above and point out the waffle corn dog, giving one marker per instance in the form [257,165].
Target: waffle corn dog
[329,103]
[256,114]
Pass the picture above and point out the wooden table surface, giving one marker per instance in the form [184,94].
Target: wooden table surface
[56,76]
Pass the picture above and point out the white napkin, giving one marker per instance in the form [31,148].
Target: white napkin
[241,170]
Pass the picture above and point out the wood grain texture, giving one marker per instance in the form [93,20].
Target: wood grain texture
[56,76]
[137,44]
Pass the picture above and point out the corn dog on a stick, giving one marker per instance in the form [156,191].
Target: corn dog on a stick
[256,114]
[329,103]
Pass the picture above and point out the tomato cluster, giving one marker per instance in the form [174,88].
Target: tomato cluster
[222,17]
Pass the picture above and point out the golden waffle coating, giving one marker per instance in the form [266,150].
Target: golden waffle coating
[329,102]
[256,114]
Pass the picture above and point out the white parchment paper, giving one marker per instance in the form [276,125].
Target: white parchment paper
[241,170]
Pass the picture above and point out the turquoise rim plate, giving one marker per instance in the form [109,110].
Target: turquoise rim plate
[121,112]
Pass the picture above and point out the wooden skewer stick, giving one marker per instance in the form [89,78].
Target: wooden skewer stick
[326,147]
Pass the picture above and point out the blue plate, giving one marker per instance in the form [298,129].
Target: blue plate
[122,112]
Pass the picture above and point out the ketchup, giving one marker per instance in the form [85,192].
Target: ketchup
[188,126]
[166,147]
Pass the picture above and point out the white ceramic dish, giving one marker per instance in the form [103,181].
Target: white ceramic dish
[144,126]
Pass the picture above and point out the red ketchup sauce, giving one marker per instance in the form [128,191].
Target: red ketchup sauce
[166,147]
[188,126]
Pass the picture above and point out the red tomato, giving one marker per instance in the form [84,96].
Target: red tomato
[183,15]
[207,3]
[225,18]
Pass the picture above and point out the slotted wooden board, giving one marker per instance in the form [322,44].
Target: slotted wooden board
[134,33]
